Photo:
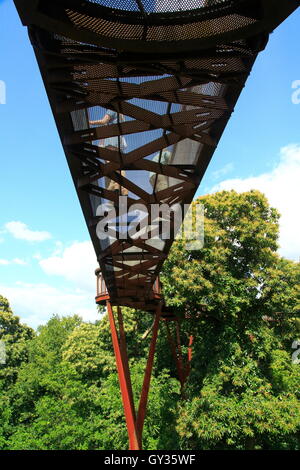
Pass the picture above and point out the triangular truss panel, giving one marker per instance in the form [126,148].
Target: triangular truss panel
[168,73]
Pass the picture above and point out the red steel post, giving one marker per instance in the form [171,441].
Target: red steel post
[183,367]
[147,378]
[123,349]
[190,351]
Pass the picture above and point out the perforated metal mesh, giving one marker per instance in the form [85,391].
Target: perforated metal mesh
[172,114]
[155,6]
[167,111]
[172,32]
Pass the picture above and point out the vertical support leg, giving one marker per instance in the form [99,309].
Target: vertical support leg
[174,353]
[180,358]
[147,378]
[190,351]
[187,369]
[134,423]
[123,348]
[126,391]
[183,367]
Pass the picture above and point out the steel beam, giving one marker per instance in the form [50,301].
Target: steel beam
[126,392]
[134,423]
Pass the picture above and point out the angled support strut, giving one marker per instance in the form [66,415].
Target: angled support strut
[183,366]
[134,421]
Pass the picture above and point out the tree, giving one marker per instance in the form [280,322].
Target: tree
[15,338]
[240,301]
[243,389]
[67,396]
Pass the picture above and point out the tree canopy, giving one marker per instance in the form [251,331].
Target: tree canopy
[240,301]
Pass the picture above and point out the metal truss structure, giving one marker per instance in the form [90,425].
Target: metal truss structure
[141,91]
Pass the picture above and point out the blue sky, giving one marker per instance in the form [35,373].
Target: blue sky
[46,261]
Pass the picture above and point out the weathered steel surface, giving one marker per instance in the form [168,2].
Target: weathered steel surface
[170,72]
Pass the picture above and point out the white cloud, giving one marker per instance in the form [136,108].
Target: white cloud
[19,261]
[36,303]
[223,171]
[5,262]
[282,188]
[76,263]
[21,231]
[1,233]
[58,248]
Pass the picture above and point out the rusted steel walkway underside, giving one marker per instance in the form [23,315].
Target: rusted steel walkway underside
[173,69]
[141,91]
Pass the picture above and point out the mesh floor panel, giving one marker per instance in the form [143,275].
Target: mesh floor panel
[164,112]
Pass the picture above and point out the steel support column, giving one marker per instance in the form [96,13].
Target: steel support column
[135,423]
[126,392]
[147,378]
[183,367]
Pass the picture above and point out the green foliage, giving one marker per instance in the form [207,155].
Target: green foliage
[59,388]
[15,337]
[5,417]
[243,299]
[67,396]
[213,421]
